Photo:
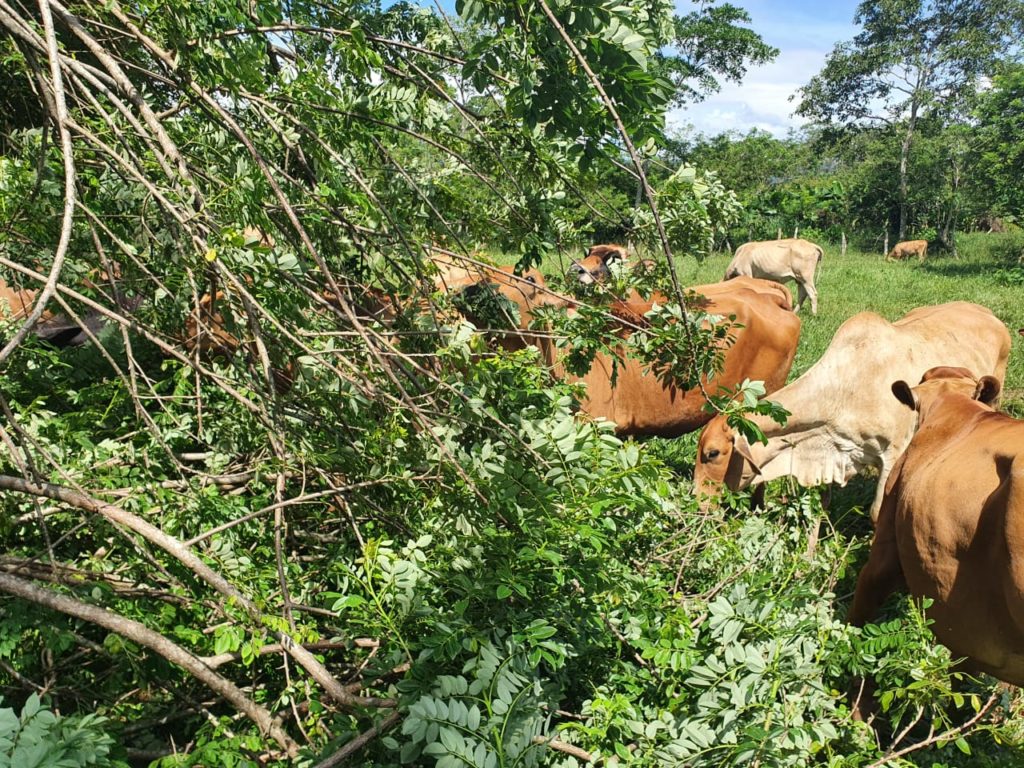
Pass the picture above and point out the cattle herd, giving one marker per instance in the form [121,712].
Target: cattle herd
[949,491]
[912,399]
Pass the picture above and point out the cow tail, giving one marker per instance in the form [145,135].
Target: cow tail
[821,252]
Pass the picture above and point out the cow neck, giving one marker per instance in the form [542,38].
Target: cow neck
[798,436]
[945,414]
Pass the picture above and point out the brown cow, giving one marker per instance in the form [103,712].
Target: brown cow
[907,249]
[57,329]
[951,527]
[639,403]
[843,421]
[593,268]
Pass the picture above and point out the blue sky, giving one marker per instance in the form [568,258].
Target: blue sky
[804,31]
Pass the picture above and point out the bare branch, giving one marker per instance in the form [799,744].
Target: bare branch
[156,642]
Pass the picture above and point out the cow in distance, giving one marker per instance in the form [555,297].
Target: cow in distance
[908,248]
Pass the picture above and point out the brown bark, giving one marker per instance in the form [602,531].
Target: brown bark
[156,642]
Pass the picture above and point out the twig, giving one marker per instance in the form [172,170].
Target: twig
[944,736]
[561,746]
[361,741]
[156,642]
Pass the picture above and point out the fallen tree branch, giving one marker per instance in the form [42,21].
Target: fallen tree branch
[223,658]
[61,120]
[561,746]
[360,741]
[156,642]
[190,560]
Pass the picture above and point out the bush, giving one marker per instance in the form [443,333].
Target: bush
[37,738]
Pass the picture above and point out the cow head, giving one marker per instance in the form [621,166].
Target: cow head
[944,381]
[506,301]
[593,268]
[723,457]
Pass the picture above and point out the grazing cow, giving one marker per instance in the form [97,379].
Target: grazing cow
[780,260]
[907,249]
[641,404]
[951,527]
[843,419]
[593,268]
[57,329]
[451,272]
[209,333]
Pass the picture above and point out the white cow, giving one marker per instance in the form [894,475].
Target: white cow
[780,260]
[844,418]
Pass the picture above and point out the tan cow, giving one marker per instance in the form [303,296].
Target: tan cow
[639,403]
[780,260]
[843,419]
[907,249]
[951,527]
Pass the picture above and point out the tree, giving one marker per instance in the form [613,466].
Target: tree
[711,43]
[913,58]
[1001,112]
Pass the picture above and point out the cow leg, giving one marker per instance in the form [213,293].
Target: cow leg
[808,289]
[881,575]
[801,296]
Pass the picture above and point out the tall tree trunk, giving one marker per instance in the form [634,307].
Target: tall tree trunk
[904,162]
[923,73]
[948,235]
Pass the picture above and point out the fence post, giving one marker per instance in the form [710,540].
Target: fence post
[885,248]
[842,250]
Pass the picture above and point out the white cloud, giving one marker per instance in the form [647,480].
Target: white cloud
[805,32]
[760,101]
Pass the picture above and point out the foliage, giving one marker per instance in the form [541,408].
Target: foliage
[37,738]
[695,208]
[480,574]
[913,59]
[709,43]
[1001,113]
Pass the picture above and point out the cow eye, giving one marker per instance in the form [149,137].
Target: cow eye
[714,453]
[531,279]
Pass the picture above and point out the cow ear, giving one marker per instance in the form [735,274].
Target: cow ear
[613,254]
[987,390]
[905,394]
[742,447]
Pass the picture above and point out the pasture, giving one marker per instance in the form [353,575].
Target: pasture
[863,281]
